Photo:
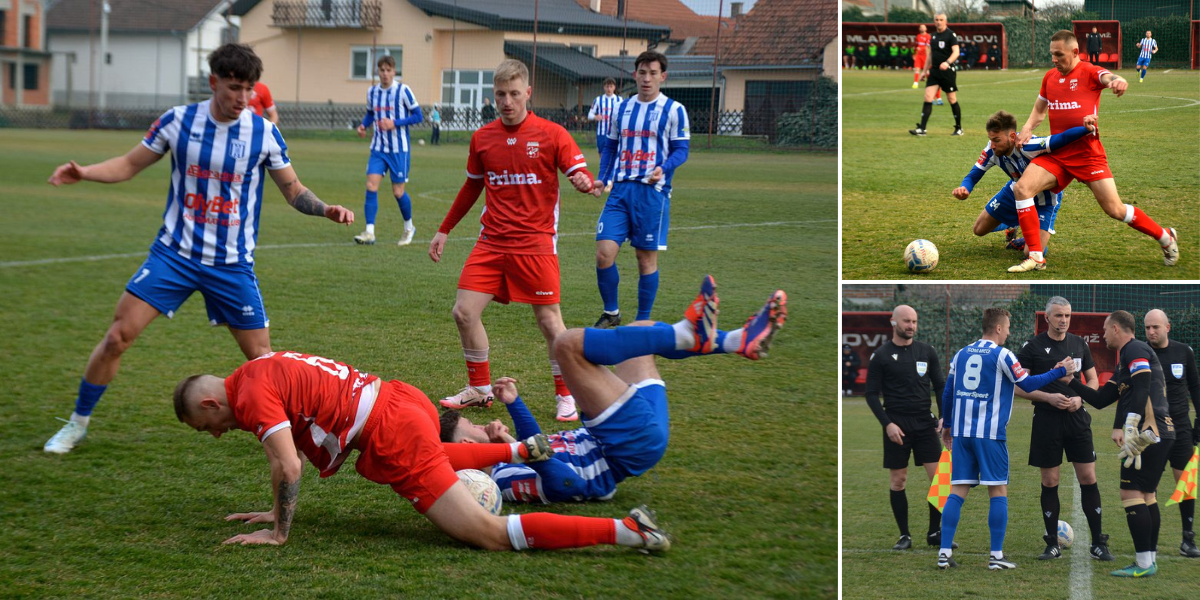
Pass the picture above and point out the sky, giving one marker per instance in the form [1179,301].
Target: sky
[709,7]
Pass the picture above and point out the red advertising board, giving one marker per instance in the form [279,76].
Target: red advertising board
[864,332]
[1090,327]
[1196,44]
[986,35]
[1110,41]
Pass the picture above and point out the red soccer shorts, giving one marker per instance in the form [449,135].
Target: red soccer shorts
[399,446]
[919,60]
[523,278]
[1084,167]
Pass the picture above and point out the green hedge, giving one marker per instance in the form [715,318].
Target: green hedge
[815,125]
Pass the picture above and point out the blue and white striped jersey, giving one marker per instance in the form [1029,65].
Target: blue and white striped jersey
[644,132]
[603,108]
[1148,45]
[1015,164]
[397,103]
[217,174]
[576,472]
[984,375]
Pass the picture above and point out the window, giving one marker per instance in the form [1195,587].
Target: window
[466,89]
[3,27]
[229,35]
[589,50]
[31,76]
[362,61]
[28,31]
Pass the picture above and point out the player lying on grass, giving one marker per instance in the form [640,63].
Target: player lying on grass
[624,411]
[1000,212]
[300,404]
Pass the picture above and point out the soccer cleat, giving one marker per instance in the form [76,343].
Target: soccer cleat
[702,313]
[1135,571]
[957,131]
[938,102]
[914,85]
[642,520]
[1188,547]
[1053,550]
[365,238]
[607,321]
[935,540]
[904,543]
[407,237]
[918,131]
[1012,241]
[997,564]
[1141,79]
[1171,250]
[946,562]
[537,448]
[566,408]
[1028,265]
[467,397]
[1100,550]
[66,439]
[762,325]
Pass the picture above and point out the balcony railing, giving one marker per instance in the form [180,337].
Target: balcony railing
[328,14]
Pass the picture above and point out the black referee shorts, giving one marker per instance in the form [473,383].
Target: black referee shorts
[1057,432]
[920,440]
[1154,462]
[947,80]
[1181,450]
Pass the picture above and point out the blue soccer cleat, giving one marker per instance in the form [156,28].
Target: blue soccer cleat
[1135,571]
[762,325]
[702,313]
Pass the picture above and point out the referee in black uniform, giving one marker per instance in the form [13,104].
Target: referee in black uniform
[939,72]
[1061,424]
[903,370]
[1179,370]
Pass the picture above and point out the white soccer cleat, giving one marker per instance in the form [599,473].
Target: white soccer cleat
[643,521]
[66,439]
[365,238]
[1171,250]
[467,397]
[566,408]
[1028,265]
[407,238]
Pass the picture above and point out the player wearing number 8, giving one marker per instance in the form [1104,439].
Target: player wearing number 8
[976,406]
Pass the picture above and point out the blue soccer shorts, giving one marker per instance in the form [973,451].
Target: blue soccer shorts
[1143,62]
[382,163]
[979,461]
[633,431]
[230,292]
[636,212]
[1003,208]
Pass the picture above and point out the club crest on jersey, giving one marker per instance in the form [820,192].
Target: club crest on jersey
[941,44]
[1074,84]
[531,149]
[1177,371]
[921,368]
[237,149]
[654,115]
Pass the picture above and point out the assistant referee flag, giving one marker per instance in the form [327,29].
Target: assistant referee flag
[939,489]
[1186,490]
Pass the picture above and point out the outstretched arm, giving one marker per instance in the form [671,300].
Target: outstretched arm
[114,170]
[1114,81]
[285,483]
[304,200]
[1106,395]
[1058,140]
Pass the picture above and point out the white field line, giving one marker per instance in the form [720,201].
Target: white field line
[909,89]
[99,257]
[1081,570]
[1167,71]
[1193,102]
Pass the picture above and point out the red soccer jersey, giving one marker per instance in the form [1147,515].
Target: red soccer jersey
[260,100]
[922,42]
[1071,97]
[318,398]
[519,167]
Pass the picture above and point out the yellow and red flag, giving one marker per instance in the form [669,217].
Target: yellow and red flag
[1186,489]
[939,489]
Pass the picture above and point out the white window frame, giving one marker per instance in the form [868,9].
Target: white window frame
[480,90]
[588,49]
[396,52]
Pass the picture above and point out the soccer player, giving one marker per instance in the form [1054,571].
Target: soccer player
[939,72]
[391,108]
[904,370]
[262,103]
[1145,439]
[1094,42]
[517,160]
[1061,424]
[921,55]
[1149,48]
[977,405]
[301,404]
[1070,91]
[1002,150]
[603,108]
[645,145]
[624,411]
[210,225]
[1179,371]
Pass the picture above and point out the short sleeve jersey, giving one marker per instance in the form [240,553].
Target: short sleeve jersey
[941,44]
[396,103]
[217,175]
[519,167]
[984,376]
[1179,370]
[602,111]
[1147,47]
[645,132]
[1137,359]
[260,100]
[922,45]
[317,398]
[1070,98]
[1040,354]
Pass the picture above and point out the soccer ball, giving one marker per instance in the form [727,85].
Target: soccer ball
[486,492]
[921,256]
[420,142]
[1065,534]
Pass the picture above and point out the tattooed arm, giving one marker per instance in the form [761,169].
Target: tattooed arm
[285,485]
[304,200]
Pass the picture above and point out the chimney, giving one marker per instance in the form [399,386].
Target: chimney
[735,9]
[594,5]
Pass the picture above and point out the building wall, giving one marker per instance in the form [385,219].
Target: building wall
[206,37]
[735,82]
[831,61]
[147,70]
[14,29]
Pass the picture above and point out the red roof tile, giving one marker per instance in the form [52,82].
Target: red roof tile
[780,32]
[684,23]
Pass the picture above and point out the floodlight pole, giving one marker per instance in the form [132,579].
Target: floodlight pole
[712,99]
[104,11]
[533,67]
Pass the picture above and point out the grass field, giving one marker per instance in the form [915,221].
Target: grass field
[136,510]
[896,188]
[869,564]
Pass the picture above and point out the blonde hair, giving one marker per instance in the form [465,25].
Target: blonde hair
[509,70]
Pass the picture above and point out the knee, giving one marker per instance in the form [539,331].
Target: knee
[372,186]
[568,345]
[605,256]
[463,316]
[980,229]
[1115,210]
[898,481]
[1050,478]
[117,340]
[398,189]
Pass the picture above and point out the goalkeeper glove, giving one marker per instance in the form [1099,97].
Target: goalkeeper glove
[1135,442]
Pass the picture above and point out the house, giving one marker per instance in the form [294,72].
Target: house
[687,27]
[24,61]
[872,8]
[157,53]
[1004,8]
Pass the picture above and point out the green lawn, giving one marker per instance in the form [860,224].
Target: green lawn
[896,188]
[868,530]
[136,510]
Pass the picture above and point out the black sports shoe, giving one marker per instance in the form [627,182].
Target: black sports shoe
[1100,549]
[1053,550]
[935,540]
[997,564]
[607,321]
[918,131]
[958,131]
[946,562]
[904,543]
[1188,547]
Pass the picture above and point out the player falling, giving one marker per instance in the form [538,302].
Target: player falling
[1070,91]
